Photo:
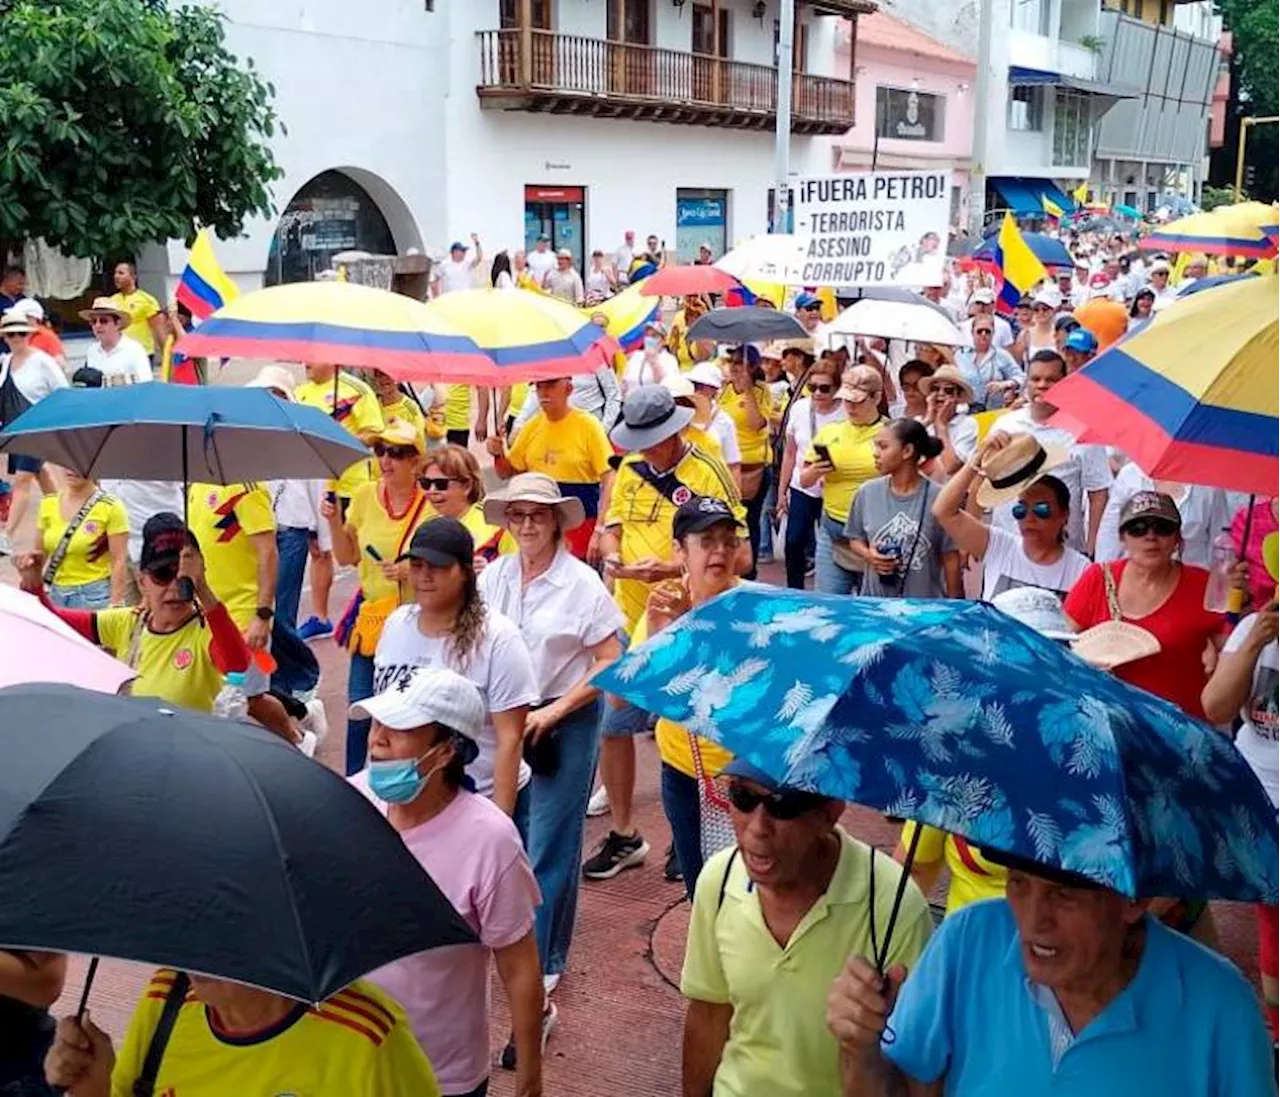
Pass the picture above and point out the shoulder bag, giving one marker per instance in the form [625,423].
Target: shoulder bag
[144,1085]
[60,553]
[12,402]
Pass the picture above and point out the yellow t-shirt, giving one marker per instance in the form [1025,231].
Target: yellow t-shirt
[973,877]
[87,559]
[358,411]
[374,528]
[357,1042]
[642,515]
[854,457]
[673,738]
[704,440]
[140,306]
[491,541]
[519,394]
[174,666]
[223,518]
[754,444]
[407,411]
[574,452]
[457,408]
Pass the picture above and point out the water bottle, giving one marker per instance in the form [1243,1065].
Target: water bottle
[1219,595]
[231,702]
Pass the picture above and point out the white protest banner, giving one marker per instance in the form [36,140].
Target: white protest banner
[883,228]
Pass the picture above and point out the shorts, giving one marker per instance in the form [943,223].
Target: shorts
[21,463]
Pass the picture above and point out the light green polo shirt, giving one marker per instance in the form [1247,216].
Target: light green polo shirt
[778,1039]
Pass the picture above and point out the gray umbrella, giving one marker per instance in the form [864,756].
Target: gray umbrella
[746,325]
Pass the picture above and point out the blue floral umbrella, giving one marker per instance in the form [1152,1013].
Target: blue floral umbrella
[954,715]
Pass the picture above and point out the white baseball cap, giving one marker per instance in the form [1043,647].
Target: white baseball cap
[28,308]
[707,373]
[1048,295]
[1037,609]
[429,695]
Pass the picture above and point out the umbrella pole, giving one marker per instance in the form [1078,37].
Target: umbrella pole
[186,589]
[88,985]
[883,954]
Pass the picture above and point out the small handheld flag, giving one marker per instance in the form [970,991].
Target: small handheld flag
[1019,266]
[204,287]
[1081,194]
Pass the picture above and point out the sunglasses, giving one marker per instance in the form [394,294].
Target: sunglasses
[1140,527]
[101,321]
[822,390]
[163,574]
[1040,510]
[812,308]
[984,331]
[396,453]
[948,390]
[777,805]
[436,483]
[535,517]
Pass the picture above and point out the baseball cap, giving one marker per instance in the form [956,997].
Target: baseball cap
[430,695]
[699,513]
[1150,504]
[441,542]
[1160,265]
[457,245]
[1082,340]
[28,308]
[544,236]
[163,538]
[564,253]
[1065,322]
[807,300]
[1048,295]
[1099,285]
[982,296]
[708,374]
[1038,609]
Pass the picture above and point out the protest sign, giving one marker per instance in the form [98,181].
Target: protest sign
[873,228]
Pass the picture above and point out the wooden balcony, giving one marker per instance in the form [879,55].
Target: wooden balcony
[567,74]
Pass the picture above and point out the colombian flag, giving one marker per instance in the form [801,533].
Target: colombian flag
[204,288]
[1051,207]
[1018,264]
[1081,194]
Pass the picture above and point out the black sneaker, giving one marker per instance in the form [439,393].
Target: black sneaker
[671,871]
[550,1015]
[616,852]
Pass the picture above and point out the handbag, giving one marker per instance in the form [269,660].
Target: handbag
[715,824]
[12,402]
[60,553]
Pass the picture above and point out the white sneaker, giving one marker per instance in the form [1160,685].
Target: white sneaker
[309,743]
[549,984]
[315,723]
[599,803]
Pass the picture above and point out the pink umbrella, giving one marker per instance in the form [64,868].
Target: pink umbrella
[688,282]
[35,646]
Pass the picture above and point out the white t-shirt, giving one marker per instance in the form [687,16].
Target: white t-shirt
[800,424]
[37,377]
[1085,470]
[456,275]
[504,281]
[1006,566]
[962,432]
[540,263]
[500,668]
[721,428]
[142,499]
[124,364]
[1257,738]
[1205,512]
[641,371]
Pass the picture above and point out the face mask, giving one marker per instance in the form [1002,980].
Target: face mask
[652,342]
[397,781]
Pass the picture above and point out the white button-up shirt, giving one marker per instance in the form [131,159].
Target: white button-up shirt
[562,614]
[124,364]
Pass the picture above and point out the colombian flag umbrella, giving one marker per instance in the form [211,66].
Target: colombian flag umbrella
[340,323]
[689,281]
[525,336]
[1192,396]
[1247,229]
[627,314]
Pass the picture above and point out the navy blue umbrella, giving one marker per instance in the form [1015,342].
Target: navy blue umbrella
[748,324]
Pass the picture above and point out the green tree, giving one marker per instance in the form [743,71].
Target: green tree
[1255,33]
[124,122]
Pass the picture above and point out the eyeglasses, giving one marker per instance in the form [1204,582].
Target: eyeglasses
[436,483]
[1140,527]
[777,805]
[822,390]
[396,453]
[534,517]
[163,574]
[1040,510]
[948,390]
[710,540]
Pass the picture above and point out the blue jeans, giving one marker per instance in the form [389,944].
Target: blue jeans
[830,577]
[766,518]
[292,546]
[684,815]
[755,512]
[93,596]
[359,687]
[557,811]
[297,670]
[803,512]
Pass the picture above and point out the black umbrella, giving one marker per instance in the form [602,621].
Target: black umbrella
[145,832]
[752,324]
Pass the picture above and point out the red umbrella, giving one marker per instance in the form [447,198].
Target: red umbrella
[689,281]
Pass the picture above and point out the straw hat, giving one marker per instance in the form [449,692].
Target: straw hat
[534,487]
[104,306]
[276,378]
[1013,469]
[946,375]
[1114,643]
[15,323]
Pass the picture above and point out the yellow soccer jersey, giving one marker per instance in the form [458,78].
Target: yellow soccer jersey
[223,520]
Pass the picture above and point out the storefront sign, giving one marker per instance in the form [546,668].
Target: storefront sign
[701,218]
[553,194]
[873,228]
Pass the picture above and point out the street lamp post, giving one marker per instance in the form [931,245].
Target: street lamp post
[782,134]
[981,92]
[1245,123]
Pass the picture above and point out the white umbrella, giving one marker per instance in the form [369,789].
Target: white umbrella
[917,323]
[770,257]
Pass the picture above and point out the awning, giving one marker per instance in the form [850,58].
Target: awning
[1022,77]
[1027,196]
[1050,190]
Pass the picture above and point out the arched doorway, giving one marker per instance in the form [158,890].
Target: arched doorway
[338,210]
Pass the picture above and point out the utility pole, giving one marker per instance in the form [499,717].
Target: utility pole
[1245,123]
[981,94]
[782,134]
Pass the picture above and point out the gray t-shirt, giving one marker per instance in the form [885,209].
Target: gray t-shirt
[888,523]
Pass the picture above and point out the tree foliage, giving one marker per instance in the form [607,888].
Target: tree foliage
[1255,33]
[127,122]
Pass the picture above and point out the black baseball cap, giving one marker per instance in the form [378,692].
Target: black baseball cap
[441,542]
[701,512]
[163,538]
[1066,322]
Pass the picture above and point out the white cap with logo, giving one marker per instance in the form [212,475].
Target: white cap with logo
[428,695]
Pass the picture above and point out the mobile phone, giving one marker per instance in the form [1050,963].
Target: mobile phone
[823,453]
[373,552]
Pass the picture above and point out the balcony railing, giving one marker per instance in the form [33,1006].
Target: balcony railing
[571,74]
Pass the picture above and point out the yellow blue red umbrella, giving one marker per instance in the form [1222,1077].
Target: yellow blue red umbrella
[1247,229]
[340,323]
[526,336]
[627,314]
[1193,396]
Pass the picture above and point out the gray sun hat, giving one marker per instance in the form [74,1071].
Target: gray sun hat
[650,416]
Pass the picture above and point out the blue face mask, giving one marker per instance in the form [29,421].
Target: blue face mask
[397,781]
[652,342]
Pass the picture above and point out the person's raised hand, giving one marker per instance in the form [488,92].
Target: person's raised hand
[495,445]
[859,1004]
[1266,626]
[80,1059]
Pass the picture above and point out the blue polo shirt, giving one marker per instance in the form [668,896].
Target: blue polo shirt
[1188,1023]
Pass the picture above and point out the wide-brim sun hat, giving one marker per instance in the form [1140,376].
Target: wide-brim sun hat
[1010,471]
[946,375]
[650,415]
[534,487]
[13,323]
[277,378]
[104,306]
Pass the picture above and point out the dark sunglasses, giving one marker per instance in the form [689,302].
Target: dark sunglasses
[822,390]
[436,483]
[1040,510]
[984,331]
[777,805]
[812,308]
[396,453]
[949,390]
[1161,527]
[163,574]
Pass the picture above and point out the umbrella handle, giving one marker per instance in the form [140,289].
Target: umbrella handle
[88,985]
[880,954]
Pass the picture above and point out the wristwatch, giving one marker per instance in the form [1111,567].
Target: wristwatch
[264,613]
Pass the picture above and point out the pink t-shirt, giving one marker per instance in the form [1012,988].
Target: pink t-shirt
[1263,525]
[473,853]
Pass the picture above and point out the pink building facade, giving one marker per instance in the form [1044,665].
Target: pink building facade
[917,94]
